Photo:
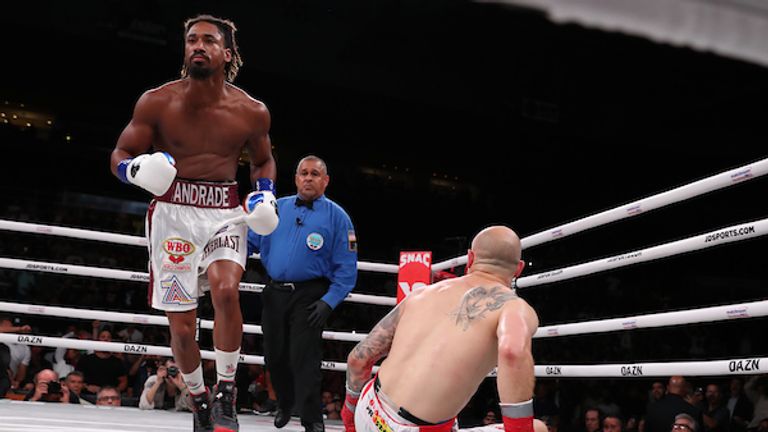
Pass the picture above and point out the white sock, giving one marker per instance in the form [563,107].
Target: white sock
[194,381]
[226,364]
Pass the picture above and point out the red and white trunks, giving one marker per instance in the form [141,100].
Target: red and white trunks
[186,232]
[375,413]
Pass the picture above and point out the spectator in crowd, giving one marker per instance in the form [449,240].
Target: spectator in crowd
[75,383]
[661,415]
[332,410]
[48,389]
[131,334]
[37,362]
[5,372]
[715,413]
[656,393]
[552,423]
[108,396]
[65,359]
[612,423]
[544,402]
[739,406]
[165,389]
[102,368]
[684,423]
[696,397]
[592,420]
[490,418]
[756,389]
[251,385]
[68,363]
[141,368]
[762,426]
[19,354]
[311,260]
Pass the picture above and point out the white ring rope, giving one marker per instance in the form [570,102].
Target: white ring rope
[143,319]
[744,366]
[135,240]
[709,184]
[129,348]
[715,238]
[78,270]
[700,368]
[664,319]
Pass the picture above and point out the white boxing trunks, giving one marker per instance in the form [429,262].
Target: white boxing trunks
[375,412]
[187,231]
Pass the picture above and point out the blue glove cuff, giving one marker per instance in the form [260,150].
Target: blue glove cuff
[122,170]
[265,184]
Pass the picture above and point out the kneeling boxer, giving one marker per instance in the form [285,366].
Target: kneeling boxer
[442,341]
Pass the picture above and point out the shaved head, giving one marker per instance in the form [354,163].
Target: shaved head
[496,250]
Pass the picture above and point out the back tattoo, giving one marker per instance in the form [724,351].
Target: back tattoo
[479,300]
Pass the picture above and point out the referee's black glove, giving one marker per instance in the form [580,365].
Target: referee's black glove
[319,312]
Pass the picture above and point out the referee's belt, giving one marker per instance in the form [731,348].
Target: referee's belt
[293,286]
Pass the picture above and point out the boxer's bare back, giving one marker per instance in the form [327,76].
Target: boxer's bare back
[437,360]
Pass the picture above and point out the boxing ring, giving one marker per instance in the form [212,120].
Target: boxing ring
[27,416]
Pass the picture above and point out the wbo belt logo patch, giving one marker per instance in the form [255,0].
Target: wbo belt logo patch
[175,292]
[177,248]
[315,241]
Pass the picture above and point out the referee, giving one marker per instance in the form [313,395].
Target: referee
[311,261]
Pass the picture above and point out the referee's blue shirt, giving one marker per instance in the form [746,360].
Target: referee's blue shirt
[310,244]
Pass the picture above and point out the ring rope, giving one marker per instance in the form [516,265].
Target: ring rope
[125,239]
[127,275]
[143,319]
[663,319]
[714,238]
[700,187]
[630,370]
[706,185]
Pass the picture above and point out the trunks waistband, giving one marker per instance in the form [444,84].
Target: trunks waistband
[404,413]
[203,194]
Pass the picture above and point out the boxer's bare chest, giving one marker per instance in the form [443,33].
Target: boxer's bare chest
[221,130]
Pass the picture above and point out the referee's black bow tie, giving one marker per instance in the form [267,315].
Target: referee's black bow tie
[300,202]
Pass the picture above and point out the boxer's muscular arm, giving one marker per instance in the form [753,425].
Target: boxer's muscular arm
[259,146]
[371,349]
[517,324]
[139,135]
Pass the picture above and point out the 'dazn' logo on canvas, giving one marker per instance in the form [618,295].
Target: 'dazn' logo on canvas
[177,248]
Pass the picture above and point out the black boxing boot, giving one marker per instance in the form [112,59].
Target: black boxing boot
[201,412]
[224,409]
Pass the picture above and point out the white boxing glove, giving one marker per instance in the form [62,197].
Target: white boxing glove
[261,208]
[154,172]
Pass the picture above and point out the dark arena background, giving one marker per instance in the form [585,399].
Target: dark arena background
[436,119]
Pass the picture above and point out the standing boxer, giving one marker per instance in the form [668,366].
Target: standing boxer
[198,127]
[442,341]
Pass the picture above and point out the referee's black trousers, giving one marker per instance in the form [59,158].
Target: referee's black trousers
[293,349]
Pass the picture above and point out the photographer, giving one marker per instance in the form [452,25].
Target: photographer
[165,389]
[48,389]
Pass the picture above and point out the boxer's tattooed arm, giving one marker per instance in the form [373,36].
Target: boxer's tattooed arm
[479,300]
[371,349]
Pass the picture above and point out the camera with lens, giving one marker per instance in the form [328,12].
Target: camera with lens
[54,387]
[173,371]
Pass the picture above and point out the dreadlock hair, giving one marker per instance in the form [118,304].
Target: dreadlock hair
[227,29]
